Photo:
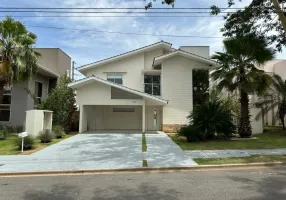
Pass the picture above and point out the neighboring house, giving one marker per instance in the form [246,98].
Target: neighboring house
[274,67]
[148,89]
[53,63]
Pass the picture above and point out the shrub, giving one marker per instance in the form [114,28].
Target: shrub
[58,131]
[45,136]
[19,129]
[3,134]
[28,142]
[192,133]
[208,121]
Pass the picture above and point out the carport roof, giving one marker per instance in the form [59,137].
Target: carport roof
[92,79]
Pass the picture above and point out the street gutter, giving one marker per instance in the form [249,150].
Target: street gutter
[147,169]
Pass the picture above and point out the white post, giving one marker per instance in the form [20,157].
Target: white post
[80,119]
[144,117]
[22,144]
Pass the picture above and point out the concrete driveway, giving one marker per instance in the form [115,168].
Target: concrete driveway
[83,151]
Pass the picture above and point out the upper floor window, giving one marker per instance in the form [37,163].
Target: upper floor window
[115,78]
[5,107]
[152,84]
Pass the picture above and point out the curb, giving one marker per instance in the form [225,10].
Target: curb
[146,169]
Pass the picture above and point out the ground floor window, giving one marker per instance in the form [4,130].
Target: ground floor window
[39,91]
[5,107]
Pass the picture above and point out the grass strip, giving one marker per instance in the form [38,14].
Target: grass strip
[240,160]
[144,145]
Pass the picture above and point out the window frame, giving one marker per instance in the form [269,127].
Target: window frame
[9,106]
[112,77]
[153,85]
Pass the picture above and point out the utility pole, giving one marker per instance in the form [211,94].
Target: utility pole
[73,66]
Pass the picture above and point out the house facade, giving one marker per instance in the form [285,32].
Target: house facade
[148,89]
[52,64]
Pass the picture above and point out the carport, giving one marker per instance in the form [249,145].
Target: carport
[109,107]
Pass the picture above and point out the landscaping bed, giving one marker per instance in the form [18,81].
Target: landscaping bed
[8,147]
[240,160]
[273,138]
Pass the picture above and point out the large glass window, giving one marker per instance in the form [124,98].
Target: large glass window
[200,86]
[5,107]
[115,78]
[152,84]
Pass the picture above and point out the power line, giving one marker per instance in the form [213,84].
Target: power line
[110,16]
[124,33]
[85,8]
[111,12]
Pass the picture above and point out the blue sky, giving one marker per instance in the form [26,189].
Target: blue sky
[85,47]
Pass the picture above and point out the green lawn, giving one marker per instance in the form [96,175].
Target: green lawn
[144,145]
[7,146]
[250,159]
[271,139]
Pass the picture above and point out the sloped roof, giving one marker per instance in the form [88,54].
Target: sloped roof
[130,53]
[186,54]
[92,79]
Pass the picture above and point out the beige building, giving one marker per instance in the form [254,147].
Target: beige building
[148,89]
[53,63]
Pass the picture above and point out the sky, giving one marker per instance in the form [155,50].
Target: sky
[89,46]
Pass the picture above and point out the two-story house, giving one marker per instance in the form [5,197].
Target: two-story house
[147,89]
[52,64]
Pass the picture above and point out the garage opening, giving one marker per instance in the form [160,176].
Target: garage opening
[114,118]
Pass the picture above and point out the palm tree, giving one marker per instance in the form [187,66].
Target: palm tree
[18,61]
[274,100]
[237,72]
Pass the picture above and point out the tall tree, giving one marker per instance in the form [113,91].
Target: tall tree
[264,16]
[62,102]
[18,61]
[244,21]
[237,71]
[274,99]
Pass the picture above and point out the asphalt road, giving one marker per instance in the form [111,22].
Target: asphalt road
[267,183]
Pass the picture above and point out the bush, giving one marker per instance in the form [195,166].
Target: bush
[45,136]
[3,134]
[19,129]
[209,121]
[192,133]
[28,142]
[58,131]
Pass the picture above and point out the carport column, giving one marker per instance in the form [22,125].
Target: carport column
[82,120]
[144,117]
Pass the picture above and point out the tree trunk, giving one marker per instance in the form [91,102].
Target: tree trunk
[2,84]
[280,13]
[244,127]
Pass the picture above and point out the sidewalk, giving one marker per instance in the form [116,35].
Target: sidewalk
[233,153]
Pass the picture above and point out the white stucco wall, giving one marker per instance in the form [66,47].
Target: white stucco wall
[177,87]
[131,68]
[149,57]
[203,51]
[100,94]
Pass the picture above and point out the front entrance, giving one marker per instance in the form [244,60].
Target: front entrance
[154,118]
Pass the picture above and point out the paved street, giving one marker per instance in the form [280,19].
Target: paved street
[255,184]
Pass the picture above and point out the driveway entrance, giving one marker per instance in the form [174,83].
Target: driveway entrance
[83,151]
